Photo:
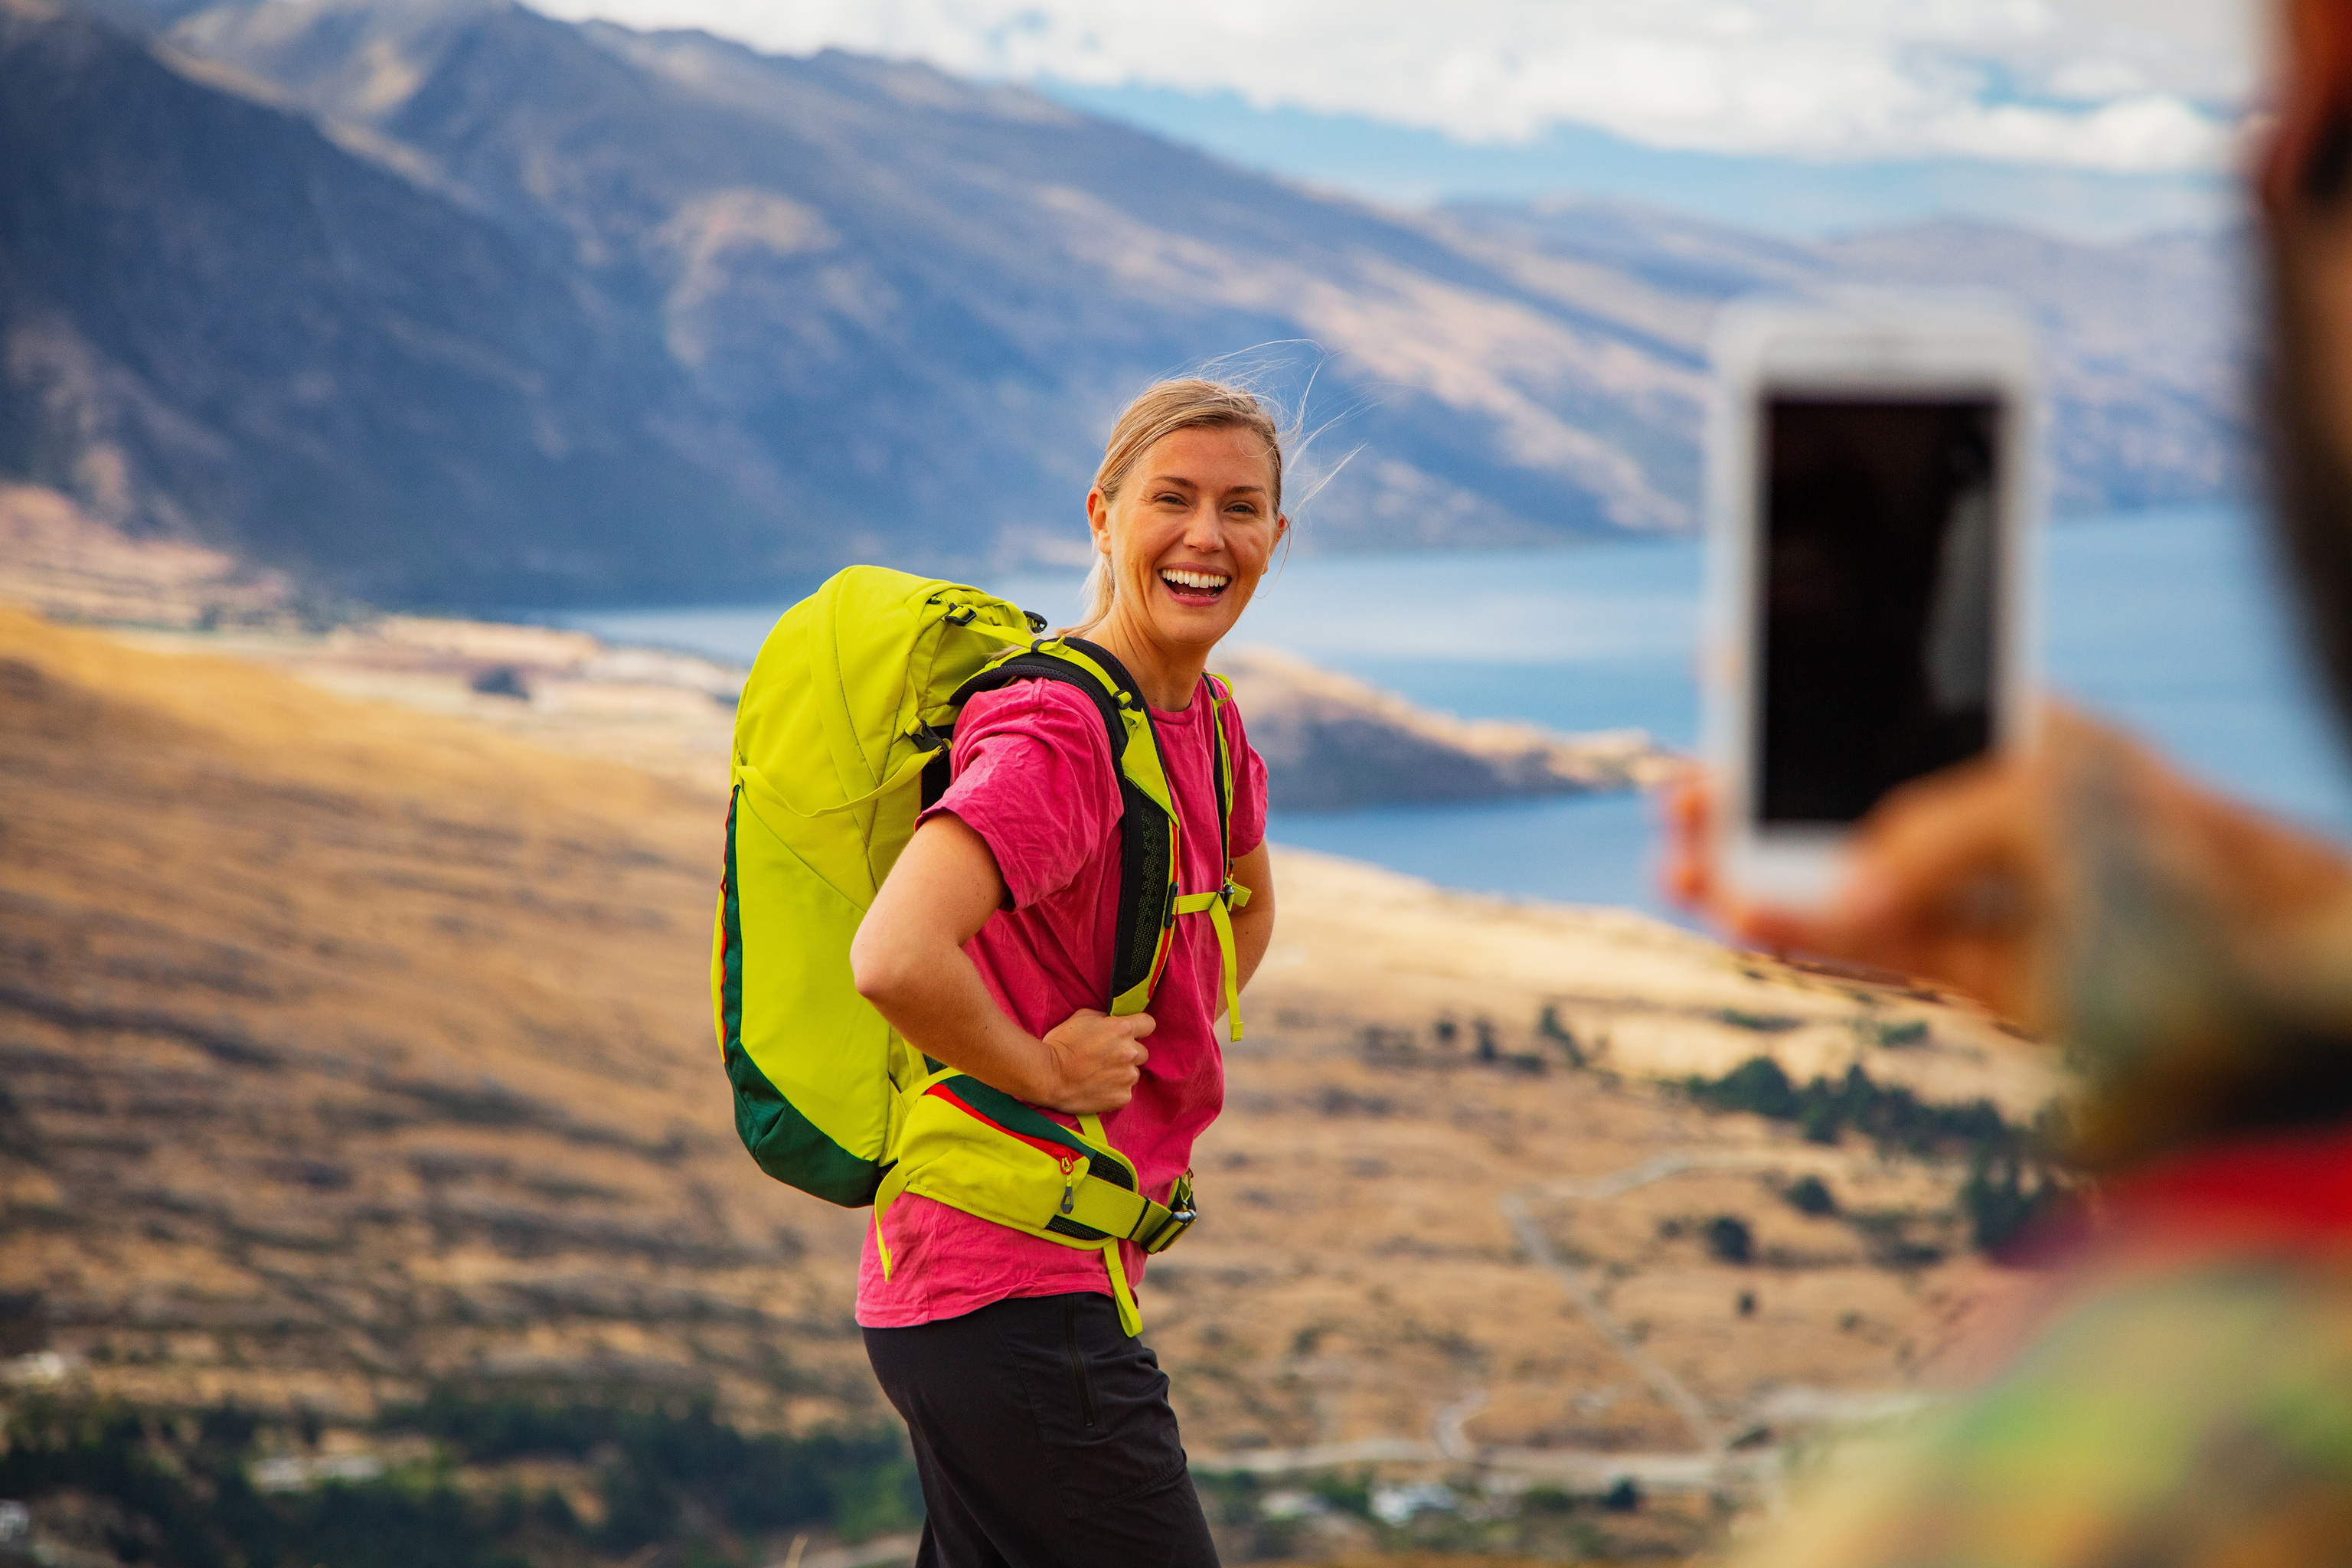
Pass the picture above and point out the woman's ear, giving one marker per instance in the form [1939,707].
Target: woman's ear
[1099,519]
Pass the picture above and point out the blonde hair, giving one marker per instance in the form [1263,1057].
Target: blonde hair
[1164,409]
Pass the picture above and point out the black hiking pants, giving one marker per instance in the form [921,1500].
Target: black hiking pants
[1045,1440]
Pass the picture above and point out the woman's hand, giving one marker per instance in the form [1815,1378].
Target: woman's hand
[909,960]
[2007,876]
[1094,1062]
[1956,877]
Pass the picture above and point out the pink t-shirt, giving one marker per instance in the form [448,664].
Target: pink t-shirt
[1034,778]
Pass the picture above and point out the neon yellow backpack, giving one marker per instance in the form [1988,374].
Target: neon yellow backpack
[841,738]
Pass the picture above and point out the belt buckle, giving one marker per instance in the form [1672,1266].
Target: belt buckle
[1181,1215]
[1167,1236]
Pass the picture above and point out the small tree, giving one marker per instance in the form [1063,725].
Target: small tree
[1810,1195]
[1549,1027]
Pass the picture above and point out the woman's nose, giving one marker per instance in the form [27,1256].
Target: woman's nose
[1201,530]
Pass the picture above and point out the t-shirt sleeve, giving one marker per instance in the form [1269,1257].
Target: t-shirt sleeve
[1249,789]
[1032,776]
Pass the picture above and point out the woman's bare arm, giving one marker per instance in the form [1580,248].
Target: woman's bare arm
[909,960]
[1254,922]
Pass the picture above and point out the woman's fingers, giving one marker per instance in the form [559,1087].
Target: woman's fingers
[1954,852]
[1952,878]
[1689,871]
[1689,809]
[1100,1060]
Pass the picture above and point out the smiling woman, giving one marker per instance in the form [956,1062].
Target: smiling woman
[1041,1423]
[1211,489]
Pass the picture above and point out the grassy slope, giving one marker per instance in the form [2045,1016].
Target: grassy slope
[346,1047]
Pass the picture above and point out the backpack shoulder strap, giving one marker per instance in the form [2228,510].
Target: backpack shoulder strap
[1035,663]
[1147,889]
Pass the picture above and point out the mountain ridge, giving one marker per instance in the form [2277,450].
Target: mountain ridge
[739,318]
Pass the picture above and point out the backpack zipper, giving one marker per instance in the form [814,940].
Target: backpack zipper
[1069,1181]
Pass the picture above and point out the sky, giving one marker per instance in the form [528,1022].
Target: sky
[2097,117]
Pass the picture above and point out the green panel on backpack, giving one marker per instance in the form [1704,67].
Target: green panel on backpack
[784,1143]
[806,1033]
[788,1147]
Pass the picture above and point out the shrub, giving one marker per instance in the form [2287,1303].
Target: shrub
[1996,1199]
[1349,1494]
[1810,1195]
[1891,1115]
[195,1498]
[1729,1239]
[674,1453]
[1762,1023]
[184,1481]
[1756,1085]
[1549,1027]
[1545,1499]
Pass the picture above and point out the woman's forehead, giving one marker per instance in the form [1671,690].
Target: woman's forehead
[1231,456]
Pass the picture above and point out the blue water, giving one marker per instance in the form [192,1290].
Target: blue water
[2169,623]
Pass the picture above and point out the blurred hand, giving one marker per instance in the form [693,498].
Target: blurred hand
[1096,1061]
[1954,878]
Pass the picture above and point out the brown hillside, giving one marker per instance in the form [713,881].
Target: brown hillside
[346,1047]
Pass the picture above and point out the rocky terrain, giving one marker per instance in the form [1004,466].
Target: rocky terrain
[446,302]
[353,1050]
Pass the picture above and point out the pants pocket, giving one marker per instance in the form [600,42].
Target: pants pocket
[1080,1379]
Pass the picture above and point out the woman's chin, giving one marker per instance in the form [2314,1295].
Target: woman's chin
[1193,618]
[1193,625]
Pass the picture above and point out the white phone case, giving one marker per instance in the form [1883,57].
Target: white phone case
[1904,349]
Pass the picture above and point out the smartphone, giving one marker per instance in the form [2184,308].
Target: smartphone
[1871,491]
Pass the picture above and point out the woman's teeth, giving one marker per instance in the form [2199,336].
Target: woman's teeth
[1195,582]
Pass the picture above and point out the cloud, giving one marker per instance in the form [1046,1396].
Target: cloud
[2125,86]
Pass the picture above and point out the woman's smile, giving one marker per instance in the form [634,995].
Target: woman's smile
[1194,586]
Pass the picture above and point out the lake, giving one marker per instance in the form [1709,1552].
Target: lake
[2167,622]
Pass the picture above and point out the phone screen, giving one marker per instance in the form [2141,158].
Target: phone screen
[1881,571]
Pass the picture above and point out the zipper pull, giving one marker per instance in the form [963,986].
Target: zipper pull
[1069,1181]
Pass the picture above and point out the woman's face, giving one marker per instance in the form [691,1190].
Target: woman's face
[1190,534]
